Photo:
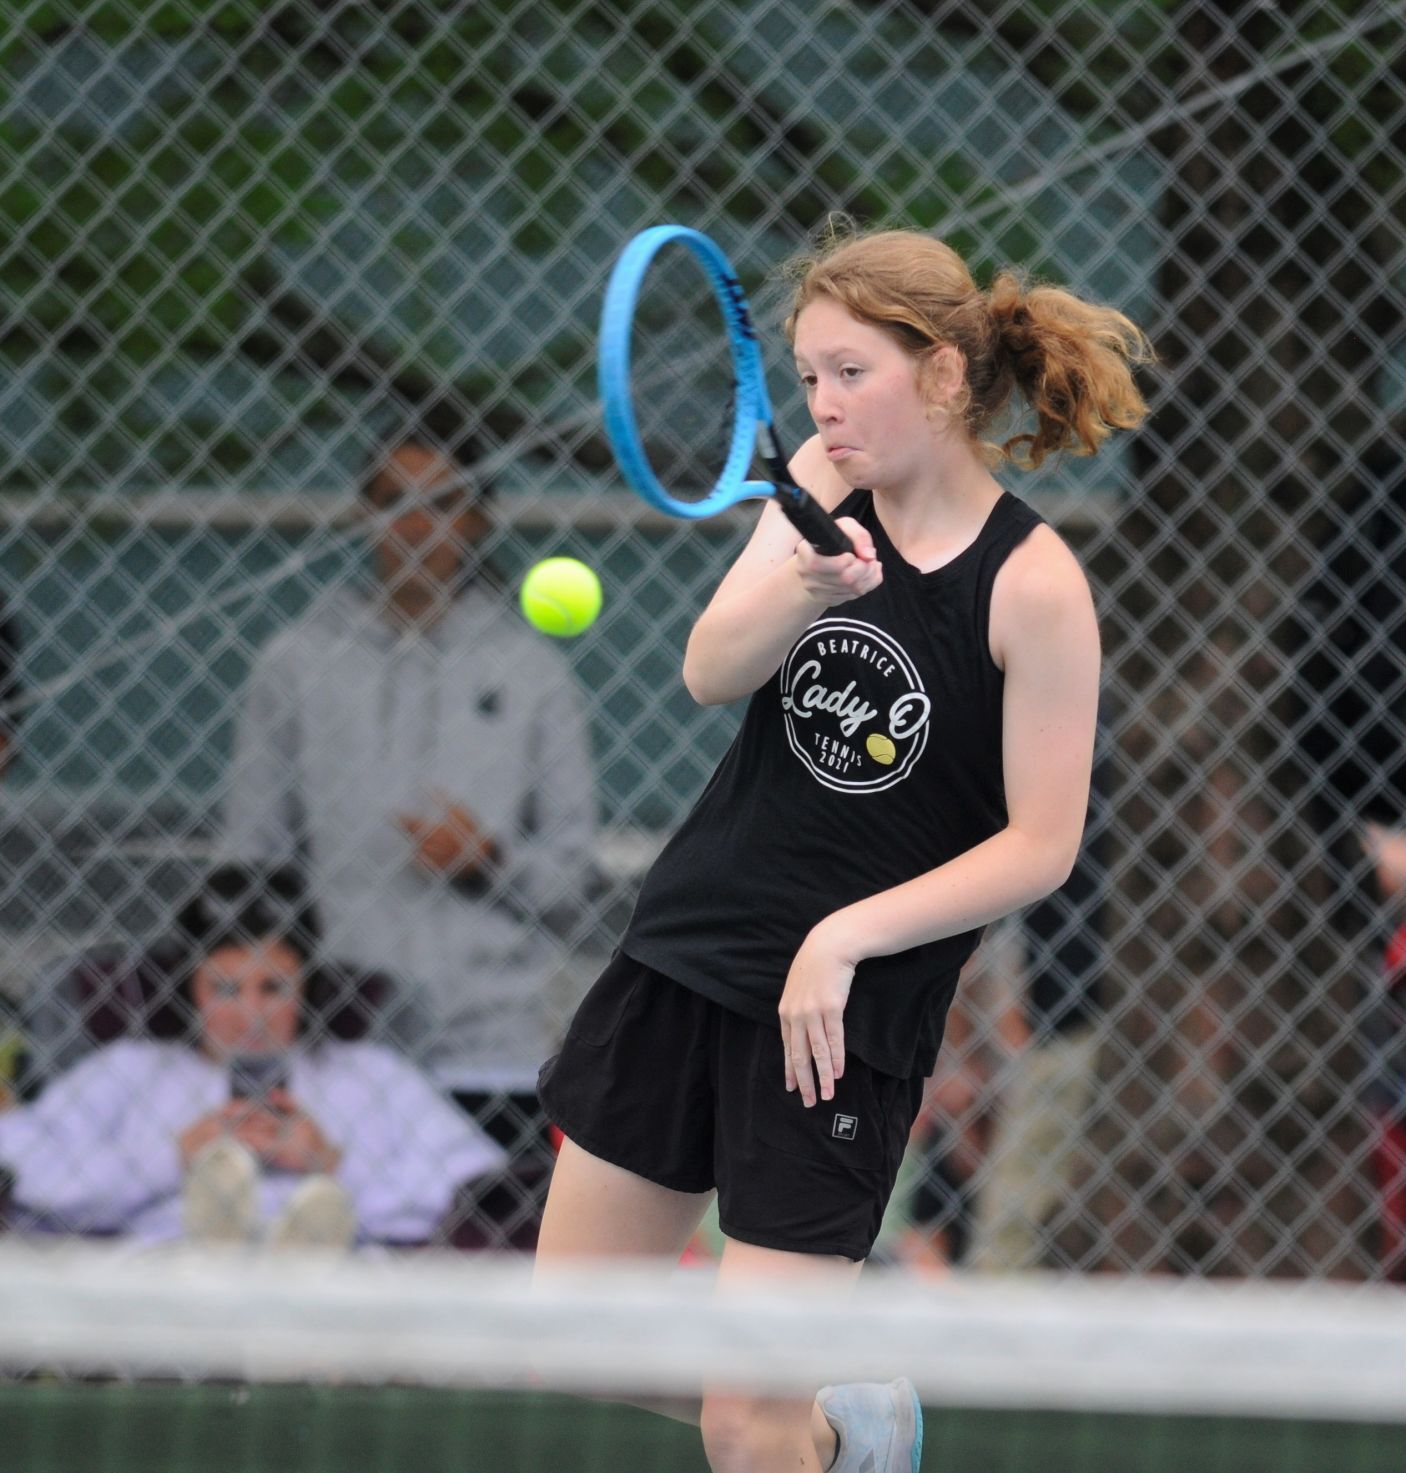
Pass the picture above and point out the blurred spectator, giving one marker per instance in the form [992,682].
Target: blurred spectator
[1048,1087]
[1348,710]
[1386,848]
[254,1125]
[1349,647]
[1349,652]
[1386,1029]
[951,1138]
[1387,1097]
[1005,1111]
[424,756]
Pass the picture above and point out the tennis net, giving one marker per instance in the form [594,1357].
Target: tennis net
[177,1361]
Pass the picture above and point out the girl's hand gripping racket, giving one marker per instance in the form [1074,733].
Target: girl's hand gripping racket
[684,390]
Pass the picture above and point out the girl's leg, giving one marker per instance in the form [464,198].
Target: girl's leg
[597,1210]
[748,1434]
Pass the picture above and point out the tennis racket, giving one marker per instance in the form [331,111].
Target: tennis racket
[684,390]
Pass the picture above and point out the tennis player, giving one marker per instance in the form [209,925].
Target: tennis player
[913,763]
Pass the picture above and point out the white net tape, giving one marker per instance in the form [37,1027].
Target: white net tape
[1129,1346]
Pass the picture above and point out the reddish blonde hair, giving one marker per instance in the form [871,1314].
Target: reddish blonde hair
[1071,360]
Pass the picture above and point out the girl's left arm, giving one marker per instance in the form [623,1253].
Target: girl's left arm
[1045,636]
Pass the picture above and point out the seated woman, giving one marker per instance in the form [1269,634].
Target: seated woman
[256,1125]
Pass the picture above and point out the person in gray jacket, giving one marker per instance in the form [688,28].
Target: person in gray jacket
[424,755]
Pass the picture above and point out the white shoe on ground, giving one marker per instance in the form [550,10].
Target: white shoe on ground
[879,1428]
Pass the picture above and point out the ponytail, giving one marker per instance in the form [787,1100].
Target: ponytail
[1072,361]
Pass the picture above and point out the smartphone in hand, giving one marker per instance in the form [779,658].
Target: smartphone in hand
[254,1077]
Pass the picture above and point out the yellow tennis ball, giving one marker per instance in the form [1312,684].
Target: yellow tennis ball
[880,748]
[560,596]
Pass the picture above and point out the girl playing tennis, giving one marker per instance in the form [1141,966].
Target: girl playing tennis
[913,764]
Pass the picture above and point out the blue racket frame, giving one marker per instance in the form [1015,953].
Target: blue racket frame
[752,413]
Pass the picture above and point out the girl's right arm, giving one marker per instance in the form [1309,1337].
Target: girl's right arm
[778,586]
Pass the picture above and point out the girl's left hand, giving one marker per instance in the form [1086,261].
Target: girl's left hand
[812,1016]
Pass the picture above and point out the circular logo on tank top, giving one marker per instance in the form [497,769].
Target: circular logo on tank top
[855,709]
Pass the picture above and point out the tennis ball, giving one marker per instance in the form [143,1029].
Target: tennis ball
[560,596]
[880,748]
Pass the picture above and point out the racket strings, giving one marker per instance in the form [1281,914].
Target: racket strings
[681,377]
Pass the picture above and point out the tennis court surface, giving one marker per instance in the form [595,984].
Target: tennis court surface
[64,1428]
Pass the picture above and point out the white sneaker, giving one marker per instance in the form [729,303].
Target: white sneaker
[318,1215]
[879,1428]
[220,1200]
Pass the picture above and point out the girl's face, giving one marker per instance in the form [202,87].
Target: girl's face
[249,998]
[864,394]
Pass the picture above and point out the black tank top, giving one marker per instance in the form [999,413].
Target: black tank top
[871,756]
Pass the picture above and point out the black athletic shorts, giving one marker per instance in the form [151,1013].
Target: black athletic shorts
[660,1080]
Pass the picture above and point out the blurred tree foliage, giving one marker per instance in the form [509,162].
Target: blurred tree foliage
[233,234]
[228,230]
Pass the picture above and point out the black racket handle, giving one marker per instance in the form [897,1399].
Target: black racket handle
[811,520]
[807,515]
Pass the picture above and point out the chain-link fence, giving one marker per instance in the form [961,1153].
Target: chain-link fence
[248,249]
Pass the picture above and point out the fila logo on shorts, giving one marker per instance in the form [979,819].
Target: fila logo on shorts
[845,1127]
